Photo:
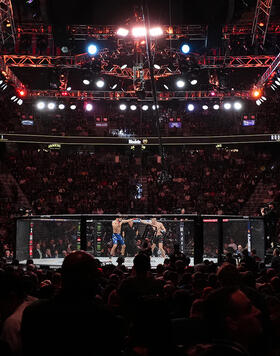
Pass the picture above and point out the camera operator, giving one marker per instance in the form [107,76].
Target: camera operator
[271,216]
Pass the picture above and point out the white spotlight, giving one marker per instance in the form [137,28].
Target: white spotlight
[123,66]
[41,105]
[61,106]
[100,83]
[191,107]
[114,86]
[166,86]
[122,107]
[156,31]
[20,102]
[180,83]
[73,107]
[13,97]
[86,81]
[123,32]
[154,107]
[51,106]
[68,88]
[133,107]
[237,105]
[92,49]
[205,107]
[277,82]
[263,98]
[258,102]
[145,107]
[216,107]
[89,107]
[227,106]
[139,32]
[156,66]
[193,81]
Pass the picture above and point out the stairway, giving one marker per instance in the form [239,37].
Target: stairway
[257,199]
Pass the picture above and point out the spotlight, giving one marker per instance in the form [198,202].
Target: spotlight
[156,31]
[51,106]
[145,107]
[133,107]
[180,83]
[123,66]
[154,107]
[216,107]
[191,107]
[20,102]
[166,86]
[263,98]
[122,107]
[258,102]
[277,82]
[73,107]
[139,32]
[89,107]
[100,83]
[193,81]
[86,82]
[68,88]
[256,93]
[227,106]
[185,48]
[237,105]
[13,98]
[114,86]
[41,105]
[22,92]
[156,66]
[92,49]
[61,106]
[123,32]
[205,107]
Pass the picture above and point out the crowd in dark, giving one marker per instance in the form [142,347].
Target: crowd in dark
[89,308]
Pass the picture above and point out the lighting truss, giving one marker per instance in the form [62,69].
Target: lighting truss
[265,77]
[7,25]
[132,95]
[261,20]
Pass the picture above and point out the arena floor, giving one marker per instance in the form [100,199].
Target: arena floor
[57,262]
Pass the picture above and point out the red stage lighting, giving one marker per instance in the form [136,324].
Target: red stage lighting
[64,93]
[22,92]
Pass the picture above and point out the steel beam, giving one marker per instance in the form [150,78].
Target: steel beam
[261,21]
[7,25]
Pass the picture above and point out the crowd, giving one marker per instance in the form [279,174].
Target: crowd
[89,308]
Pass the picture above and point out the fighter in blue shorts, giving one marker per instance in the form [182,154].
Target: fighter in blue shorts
[116,237]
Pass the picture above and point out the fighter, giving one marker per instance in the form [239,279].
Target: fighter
[159,230]
[116,237]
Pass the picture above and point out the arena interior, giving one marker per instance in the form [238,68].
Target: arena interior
[139,178]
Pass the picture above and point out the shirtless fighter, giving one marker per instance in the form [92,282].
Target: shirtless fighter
[116,237]
[159,230]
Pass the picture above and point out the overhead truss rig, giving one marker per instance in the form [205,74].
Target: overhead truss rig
[192,32]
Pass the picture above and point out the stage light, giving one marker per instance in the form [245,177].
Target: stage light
[68,88]
[13,97]
[216,107]
[86,82]
[273,87]
[92,49]
[185,48]
[22,92]
[263,98]
[213,93]
[61,106]
[40,105]
[258,102]
[73,107]
[154,107]
[166,86]
[156,66]
[256,93]
[51,106]
[114,86]
[123,66]
[89,107]
[191,107]
[20,102]
[122,107]
[180,83]
[277,82]
[138,32]
[227,106]
[193,81]
[133,107]
[237,105]
[156,31]
[145,107]
[100,83]
[205,107]
[123,32]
